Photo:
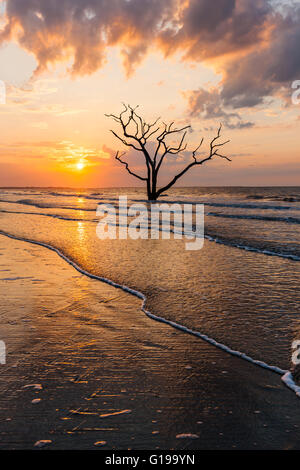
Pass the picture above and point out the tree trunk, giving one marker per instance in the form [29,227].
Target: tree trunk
[154,186]
[152,195]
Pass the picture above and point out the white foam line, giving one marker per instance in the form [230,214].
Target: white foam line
[251,248]
[207,237]
[288,380]
[287,376]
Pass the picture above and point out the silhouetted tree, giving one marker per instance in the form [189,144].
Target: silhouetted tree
[136,133]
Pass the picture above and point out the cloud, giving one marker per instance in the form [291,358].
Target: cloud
[82,30]
[208,104]
[264,65]
[267,71]
[32,99]
[252,43]
[208,29]
[65,152]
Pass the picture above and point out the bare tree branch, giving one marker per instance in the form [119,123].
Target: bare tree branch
[128,144]
[141,135]
[212,153]
[118,157]
[135,137]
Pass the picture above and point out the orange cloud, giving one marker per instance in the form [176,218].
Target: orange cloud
[236,36]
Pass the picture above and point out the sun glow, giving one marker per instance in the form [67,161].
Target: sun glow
[80,166]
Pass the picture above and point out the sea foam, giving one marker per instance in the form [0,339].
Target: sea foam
[286,375]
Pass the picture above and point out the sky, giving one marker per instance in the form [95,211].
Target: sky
[67,63]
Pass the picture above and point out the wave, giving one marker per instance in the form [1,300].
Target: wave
[55,216]
[251,206]
[286,375]
[237,205]
[41,205]
[210,237]
[241,246]
[289,220]
[291,198]
[78,195]
[52,193]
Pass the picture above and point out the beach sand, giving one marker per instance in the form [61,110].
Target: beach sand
[109,373]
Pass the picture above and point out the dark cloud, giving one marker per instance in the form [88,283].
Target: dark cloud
[210,105]
[209,29]
[267,70]
[263,72]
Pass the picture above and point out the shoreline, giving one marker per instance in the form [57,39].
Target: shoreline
[286,375]
[117,376]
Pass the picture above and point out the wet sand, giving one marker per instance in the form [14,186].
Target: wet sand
[109,373]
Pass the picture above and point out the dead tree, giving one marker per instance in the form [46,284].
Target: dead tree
[136,133]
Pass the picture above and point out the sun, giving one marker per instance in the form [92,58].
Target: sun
[80,166]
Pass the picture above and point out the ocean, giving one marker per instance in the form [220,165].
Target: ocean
[241,289]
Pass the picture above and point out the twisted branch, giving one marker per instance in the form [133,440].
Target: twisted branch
[142,133]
